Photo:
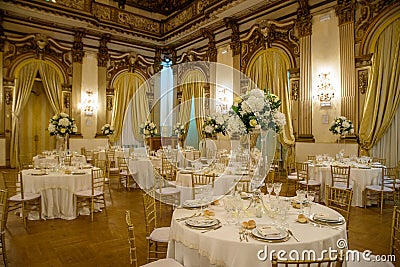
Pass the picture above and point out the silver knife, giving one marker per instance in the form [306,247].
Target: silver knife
[291,233]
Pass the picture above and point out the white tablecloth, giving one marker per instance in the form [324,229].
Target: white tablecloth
[359,179]
[143,170]
[57,191]
[222,247]
[45,161]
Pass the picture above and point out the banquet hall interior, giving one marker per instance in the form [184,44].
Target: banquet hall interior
[289,107]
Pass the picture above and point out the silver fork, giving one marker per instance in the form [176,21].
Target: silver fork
[188,217]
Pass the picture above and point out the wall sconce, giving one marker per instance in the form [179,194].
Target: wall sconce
[88,104]
[325,90]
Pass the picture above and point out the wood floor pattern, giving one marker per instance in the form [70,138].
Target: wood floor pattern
[104,242]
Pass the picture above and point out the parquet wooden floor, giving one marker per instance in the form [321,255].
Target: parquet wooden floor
[104,242]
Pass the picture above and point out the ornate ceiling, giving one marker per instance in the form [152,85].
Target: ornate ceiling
[165,7]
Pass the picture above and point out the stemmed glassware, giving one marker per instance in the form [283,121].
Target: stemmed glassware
[301,196]
[310,198]
[270,189]
[277,189]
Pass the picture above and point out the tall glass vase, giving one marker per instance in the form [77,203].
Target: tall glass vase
[268,139]
[62,142]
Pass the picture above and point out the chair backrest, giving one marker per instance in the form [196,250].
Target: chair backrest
[196,154]
[243,184]
[95,157]
[98,179]
[312,157]
[103,164]
[389,177]
[110,156]
[150,212]
[67,159]
[380,160]
[302,171]
[3,208]
[13,183]
[200,179]
[25,165]
[131,239]
[395,235]
[341,175]
[339,199]
[326,262]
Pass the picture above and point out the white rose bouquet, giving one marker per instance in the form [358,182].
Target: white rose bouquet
[62,124]
[148,129]
[107,130]
[179,129]
[341,126]
[214,124]
[258,109]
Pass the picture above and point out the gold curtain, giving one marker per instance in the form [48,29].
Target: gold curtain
[52,85]
[126,86]
[25,78]
[383,95]
[193,86]
[269,71]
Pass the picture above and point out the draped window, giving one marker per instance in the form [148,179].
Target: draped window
[383,95]
[193,86]
[269,72]
[128,87]
[24,80]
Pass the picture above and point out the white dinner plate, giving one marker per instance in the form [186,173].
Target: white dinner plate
[194,203]
[327,218]
[269,233]
[201,222]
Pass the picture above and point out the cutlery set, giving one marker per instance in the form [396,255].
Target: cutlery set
[243,235]
[188,217]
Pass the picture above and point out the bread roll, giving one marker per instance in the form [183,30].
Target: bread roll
[302,218]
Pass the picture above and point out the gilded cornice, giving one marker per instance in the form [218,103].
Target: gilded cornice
[212,49]
[345,11]
[235,44]
[368,11]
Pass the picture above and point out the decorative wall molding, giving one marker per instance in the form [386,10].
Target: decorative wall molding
[235,44]
[362,80]
[77,47]
[102,56]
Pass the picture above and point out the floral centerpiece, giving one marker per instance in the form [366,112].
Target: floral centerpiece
[62,125]
[259,110]
[214,124]
[341,126]
[107,130]
[148,129]
[178,130]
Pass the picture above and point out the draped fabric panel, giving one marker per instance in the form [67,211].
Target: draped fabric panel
[126,87]
[23,86]
[193,86]
[383,95]
[388,147]
[269,72]
[52,85]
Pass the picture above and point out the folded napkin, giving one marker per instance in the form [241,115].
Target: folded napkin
[267,231]
[326,217]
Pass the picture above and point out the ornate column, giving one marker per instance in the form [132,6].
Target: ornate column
[304,27]
[345,11]
[210,90]
[77,57]
[236,47]
[2,106]
[102,61]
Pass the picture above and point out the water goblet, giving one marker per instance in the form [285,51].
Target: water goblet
[301,196]
[277,189]
[310,198]
[270,189]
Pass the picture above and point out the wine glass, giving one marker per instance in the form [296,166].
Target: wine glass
[270,189]
[310,198]
[229,207]
[301,196]
[277,189]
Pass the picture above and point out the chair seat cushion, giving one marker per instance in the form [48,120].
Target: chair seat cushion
[376,187]
[88,193]
[390,185]
[27,197]
[168,191]
[342,186]
[292,177]
[163,263]
[160,234]
[310,182]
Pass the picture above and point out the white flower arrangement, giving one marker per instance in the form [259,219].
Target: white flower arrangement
[214,124]
[235,126]
[258,109]
[107,130]
[62,124]
[179,129]
[341,126]
[148,129]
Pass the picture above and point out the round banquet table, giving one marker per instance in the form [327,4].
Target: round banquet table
[222,247]
[143,170]
[359,179]
[57,191]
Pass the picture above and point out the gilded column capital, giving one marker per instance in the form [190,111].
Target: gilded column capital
[77,48]
[345,11]
[157,61]
[235,44]
[304,21]
[212,49]
[103,56]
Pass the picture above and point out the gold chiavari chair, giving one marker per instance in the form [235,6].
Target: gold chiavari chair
[306,183]
[3,222]
[243,185]
[126,177]
[102,164]
[88,155]
[17,198]
[379,160]
[340,176]
[196,154]
[395,234]
[157,237]
[67,159]
[380,190]
[200,180]
[95,195]
[339,199]
[132,248]
[312,157]
[327,262]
